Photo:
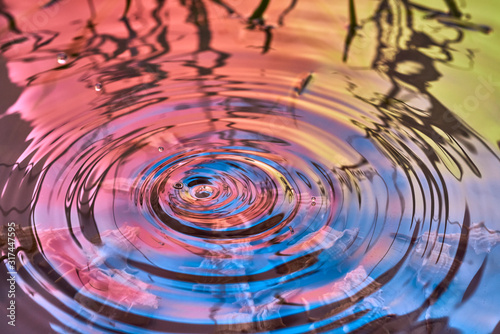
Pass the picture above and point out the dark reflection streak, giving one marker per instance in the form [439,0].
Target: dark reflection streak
[446,208]
[39,42]
[259,11]
[5,46]
[351,33]
[292,5]
[423,8]
[199,17]
[340,322]
[455,266]
[282,301]
[268,39]
[12,22]
[373,225]
[131,36]
[155,15]
[256,20]
[230,10]
[72,192]
[453,22]
[127,8]
[394,324]
[85,207]
[422,193]
[119,162]
[122,45]
[304,179]
[377,21]
[326,175]
[67,210]
[432,186]
[362,163]
[296,265]
[273,185]
[452,6]
[162,40]
[400,220]
[14,209]
[303,84]
[474,283]
[358,189]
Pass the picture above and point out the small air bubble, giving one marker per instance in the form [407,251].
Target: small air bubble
[313,201]
[291,229]
[62,58]
[203,192]
[98,87]
[178,185]
[161,149]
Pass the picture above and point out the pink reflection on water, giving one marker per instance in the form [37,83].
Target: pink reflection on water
[85,272]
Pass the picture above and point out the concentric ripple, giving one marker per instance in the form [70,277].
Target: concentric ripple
[258,228]
[227,194]
[197,191]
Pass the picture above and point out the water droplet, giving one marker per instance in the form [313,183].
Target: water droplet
[62,58]
[161,149]
[98,87]
[203,192]
[178,185]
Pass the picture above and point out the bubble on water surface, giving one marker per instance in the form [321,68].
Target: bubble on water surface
[62,58]
[203,192]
